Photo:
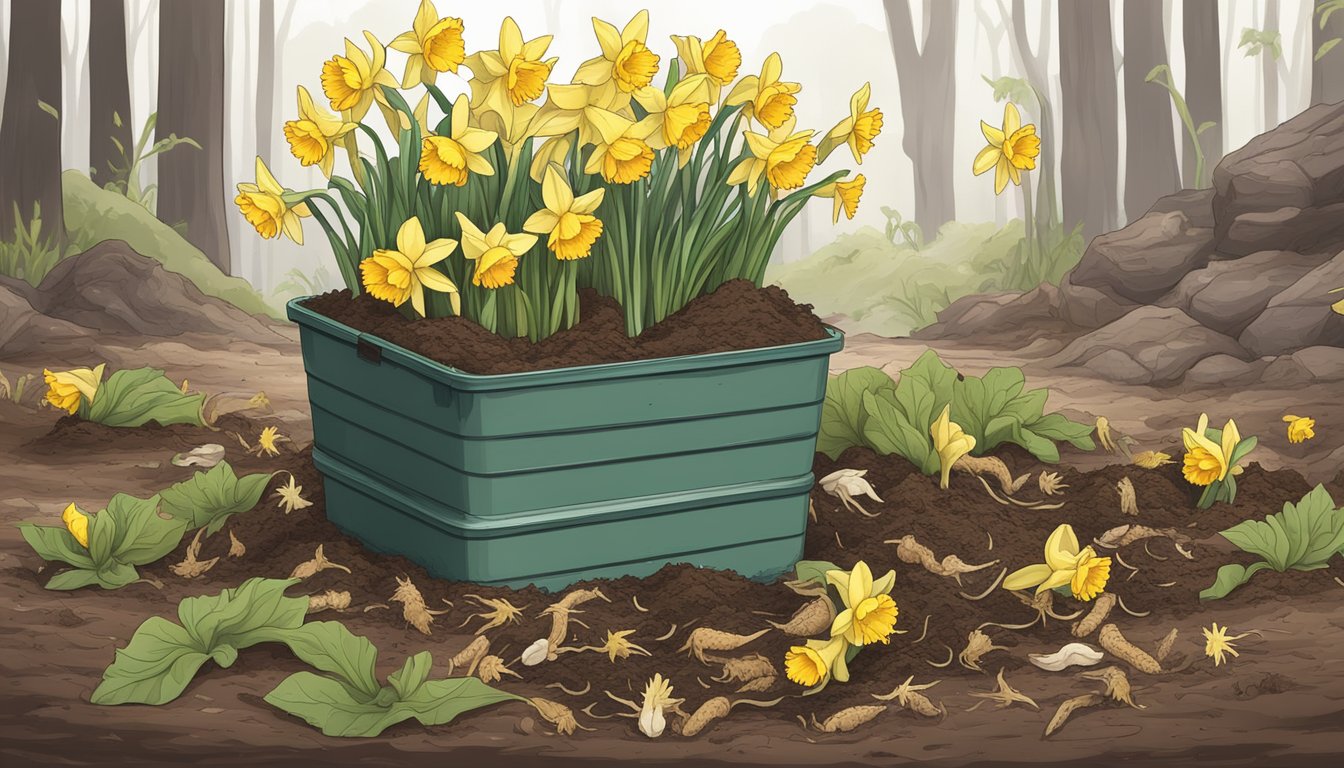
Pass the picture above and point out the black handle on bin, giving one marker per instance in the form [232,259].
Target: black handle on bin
[367,350]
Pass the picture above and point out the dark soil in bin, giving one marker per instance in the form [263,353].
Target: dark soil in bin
[737,315]
[935,612]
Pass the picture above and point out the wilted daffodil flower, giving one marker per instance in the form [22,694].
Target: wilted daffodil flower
[569,220]
[817,662]
[1065,564]
[768,100]
[626,61]
[77,523]
[65,389]
[718,57]
[495,252]
[950,443]
[1012,149]
[352,81]
[511,75]
[270,208]
[1211,459]
[845,195]
[870,613]
[858,130]
[435,45]
[452,159]
[313,136]
[682,115]
[1300,428]
[783,158]
[398,275]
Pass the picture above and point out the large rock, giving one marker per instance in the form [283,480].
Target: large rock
[1145,259]
[24,331]
[1008,313]
[1228,295]
[1151,345]
[1285,189]
[1300,315]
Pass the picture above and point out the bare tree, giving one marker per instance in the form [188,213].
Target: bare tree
[191,104]
[1089,151]
[265,76]
[1150,158]
[1269,64]
[925,68]
[1035,65]
[1327,66]
[110,100]
[1203,84]
[30,134]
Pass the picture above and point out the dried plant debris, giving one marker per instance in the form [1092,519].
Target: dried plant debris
[911,551]
[744,669]
[1115,644]
[810,620]
[757,685]
[1117,684]
[1003,695]
[1129,503]
[657,703]
[617,646]
[1101,609]
[291,496]
[978,645]
[236,547]
[1070,655]
[703,639]
[1051,484]
[413,608]
[499,612]
[319,563]
[1104,434]
[1044,605]
[1124,535]
[995,468]
[536,653]
[1070,706]
[203,456]
[558,715]
[911,697]
[849,718]
[470,656]
[847,485]
[330,600]
[1151,459]
[716,709]
[1165,645]
[492,668]
[191,567]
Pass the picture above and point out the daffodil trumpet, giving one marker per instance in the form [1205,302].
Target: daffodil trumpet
[1212,459]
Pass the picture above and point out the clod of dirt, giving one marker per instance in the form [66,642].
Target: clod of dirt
[849,718]
[191,567]
[1270,683]
[413,608]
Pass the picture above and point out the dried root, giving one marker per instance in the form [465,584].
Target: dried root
[704,639]
[1044,605]
[1104,434]
[978,645]
[1115,643]
[413,608]
[745,669]
[491,668]
[1117,684]
[995,468]
[1051,484]
[616,646]
[1151,459]
[910,697]
[588,686]
[560,613]
[1069,707]
[1129,503]
[558,715]
[500,612]
[714,709]
[329,600]
[911,551]
[813,618]
[1101,608]
[847,485]
[236,547]
[1124,535]
[757,685]
[471,656]
[849,718]
[1004,695]
[190,567]
[1167,643]
[317,564]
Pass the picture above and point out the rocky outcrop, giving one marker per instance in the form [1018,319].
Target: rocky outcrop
[1223,284]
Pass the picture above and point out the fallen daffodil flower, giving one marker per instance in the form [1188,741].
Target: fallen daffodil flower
[1300,428]
[817,662]
[1065,565]
[1211,459]
[291,496]
[869,615]
[950,442]
[846,484]
[77,523]
[68,390]
[1217,643]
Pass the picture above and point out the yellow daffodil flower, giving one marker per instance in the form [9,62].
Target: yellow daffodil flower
[1084,572]
[845,196]
[435,45]
[1217,643]
[511,75]
[268,442]
[626,61]
[1300,428]
[622,153]
[870,613]
[267,207]
[768,100]
[312,138]
[495,252]
[1205,460]
[578,106]
[783,158]
[398,275]
[950,442]
[817,662]
[718,57]
[77,523]
[858,130]
[552,150]
[1338,306]
[683,114]
[1012,149]
[352,82]
[569,220]
[65,389]
[452,159]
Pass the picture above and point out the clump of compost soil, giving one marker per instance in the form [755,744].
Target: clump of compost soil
[737,315]
[71,433]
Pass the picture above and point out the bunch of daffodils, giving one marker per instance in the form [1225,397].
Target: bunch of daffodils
[867,615]
[523,190]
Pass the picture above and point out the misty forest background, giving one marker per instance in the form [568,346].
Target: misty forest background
[134,119]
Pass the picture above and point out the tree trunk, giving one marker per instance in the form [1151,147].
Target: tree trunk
[191,104]
[1203,86]
[1269,67]
[928,101]
[110,103]
[1327,72]
[265,76]
[30,138]
[1035,66]
[1089,152]
[1150,161]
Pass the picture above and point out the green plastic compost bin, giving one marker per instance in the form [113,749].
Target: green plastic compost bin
[551,477]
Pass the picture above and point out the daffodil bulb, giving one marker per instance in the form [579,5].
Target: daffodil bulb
[536,653]
[657,699]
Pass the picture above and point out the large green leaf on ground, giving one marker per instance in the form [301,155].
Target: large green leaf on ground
[129,532]
[130,398]
[1303,537]
[842,414]
[210,498]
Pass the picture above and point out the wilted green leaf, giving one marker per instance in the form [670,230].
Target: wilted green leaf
[1230,577]
[1303,537]
[813,571]
[210,498]
[129,532]
[892,425]
[130,398]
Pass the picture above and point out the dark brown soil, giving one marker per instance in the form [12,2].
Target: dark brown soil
[74,433]
[959,521]
[738,315]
